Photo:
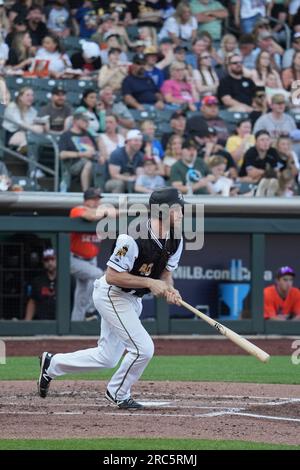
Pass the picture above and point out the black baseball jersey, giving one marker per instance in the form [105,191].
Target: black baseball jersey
[147,257]
[44,294]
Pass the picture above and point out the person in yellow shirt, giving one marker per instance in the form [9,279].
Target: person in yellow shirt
[237,145]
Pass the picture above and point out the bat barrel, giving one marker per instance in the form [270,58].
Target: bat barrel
[228,333]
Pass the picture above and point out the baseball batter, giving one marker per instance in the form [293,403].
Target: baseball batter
[136,267]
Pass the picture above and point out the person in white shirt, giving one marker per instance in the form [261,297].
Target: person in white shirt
[19,116]
[182,26]
[51,51]
[277,121]
[111,139]
[248,12]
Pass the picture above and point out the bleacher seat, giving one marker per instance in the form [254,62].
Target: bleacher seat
[15,82]
[190,114]
[232,118]
[140,116]
[27,183]
[41,98]
[40,149]
[162,128]
[2,131]
[79,85]
[46,84]
[164,115]
[72,43]
[133,32]
[73,99]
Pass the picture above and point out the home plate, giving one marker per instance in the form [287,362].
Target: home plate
[150,404]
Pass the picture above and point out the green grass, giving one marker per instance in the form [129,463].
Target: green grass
[279,370]
[137,444]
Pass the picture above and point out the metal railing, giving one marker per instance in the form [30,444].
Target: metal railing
[239,206]
[233,29]
[31,161]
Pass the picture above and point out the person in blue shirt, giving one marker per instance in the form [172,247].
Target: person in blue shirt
[148,129]
[139,90]
[87,19]
[151,58]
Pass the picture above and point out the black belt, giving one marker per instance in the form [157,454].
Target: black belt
[137,293]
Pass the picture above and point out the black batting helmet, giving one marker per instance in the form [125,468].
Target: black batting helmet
[167,196]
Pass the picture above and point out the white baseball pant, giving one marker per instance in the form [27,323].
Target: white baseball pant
[121,329]
[85,273]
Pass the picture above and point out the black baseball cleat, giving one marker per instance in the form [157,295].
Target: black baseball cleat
[128,404]
[44,379]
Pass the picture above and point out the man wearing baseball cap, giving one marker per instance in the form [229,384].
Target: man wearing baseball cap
[79,150]
[41,303]
[84,251]
[57,110]
[282,300]
[139,89]
[277,121]
[190,174]
[138,265]
[198,124]
[125,163]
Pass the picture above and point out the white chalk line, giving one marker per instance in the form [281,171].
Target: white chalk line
[162,396]
[136,413]
[279,418]
[167,404]
[222,398]
[283,402]
[236,411]
[174,404]
[163,405]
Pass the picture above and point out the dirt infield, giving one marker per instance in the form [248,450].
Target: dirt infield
[193,347]
[77,409]
[251,412]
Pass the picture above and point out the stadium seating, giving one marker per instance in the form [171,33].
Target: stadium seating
[140,116]
[72,43]
[232,118]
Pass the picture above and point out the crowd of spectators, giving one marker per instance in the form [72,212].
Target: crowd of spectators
[201,94]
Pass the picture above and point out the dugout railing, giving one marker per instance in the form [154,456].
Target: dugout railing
[254,218]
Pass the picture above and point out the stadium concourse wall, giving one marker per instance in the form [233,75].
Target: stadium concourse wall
[256,219]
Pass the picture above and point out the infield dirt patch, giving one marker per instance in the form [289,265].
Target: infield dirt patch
[77,409]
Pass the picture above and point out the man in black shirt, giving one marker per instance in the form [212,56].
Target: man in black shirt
[261,165]
[260,157]
[35,25]
[42,300]
[78,149]
[235,91]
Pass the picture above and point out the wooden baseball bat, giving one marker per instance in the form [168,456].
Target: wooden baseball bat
[234,337]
